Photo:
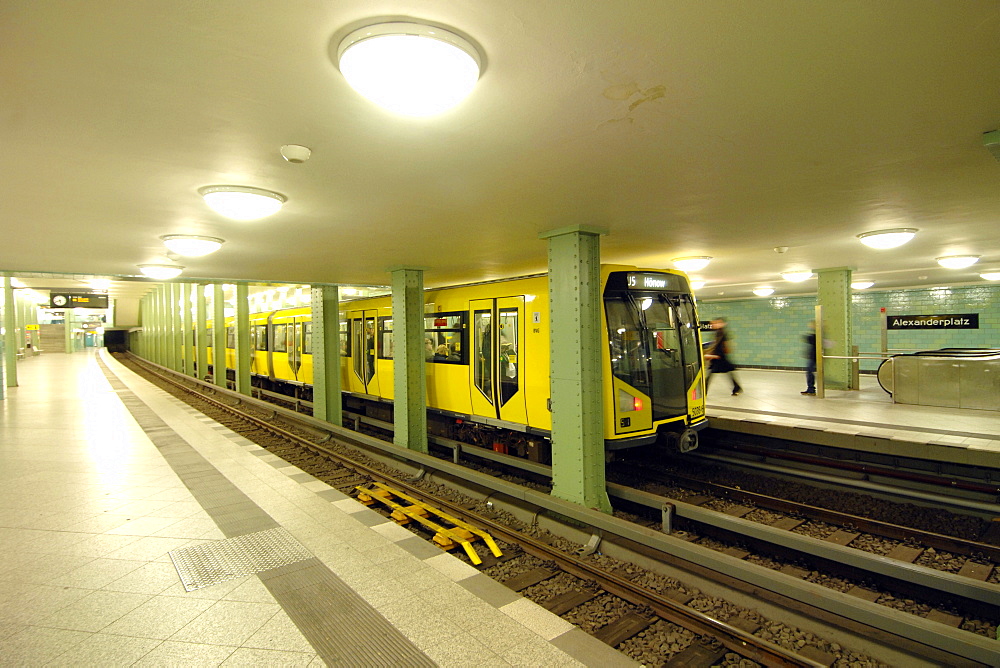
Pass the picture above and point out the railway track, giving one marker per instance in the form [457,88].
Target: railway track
[645,612]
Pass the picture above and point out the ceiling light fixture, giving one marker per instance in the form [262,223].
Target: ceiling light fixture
[796,276]
[695,263]
[161,272]
[242,202]
[957,261]
[697,284]
[883,239]
[99,283]
[763,291]
[862,285]
[192,245]
[991,276]
[409,68]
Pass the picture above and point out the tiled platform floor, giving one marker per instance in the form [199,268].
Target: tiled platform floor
[771,404]
[90,507]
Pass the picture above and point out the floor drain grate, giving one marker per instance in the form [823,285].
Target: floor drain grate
[205,565]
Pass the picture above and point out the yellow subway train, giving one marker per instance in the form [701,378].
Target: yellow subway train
[487,352]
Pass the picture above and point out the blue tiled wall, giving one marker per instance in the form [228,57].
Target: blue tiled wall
[768,332]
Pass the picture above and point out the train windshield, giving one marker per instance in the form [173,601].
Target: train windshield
[653,338]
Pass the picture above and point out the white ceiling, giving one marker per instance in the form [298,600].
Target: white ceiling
[684,127]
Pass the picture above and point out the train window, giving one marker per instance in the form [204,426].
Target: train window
[629,355]
[507,348]
[278,336]
[345,339]
[231,337]
[444,338]
[209,334]
[483,353]
[258,337]
[290,332]
[385,338]
[307,338]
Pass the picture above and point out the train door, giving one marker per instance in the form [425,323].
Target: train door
[497,358]
[294,334]
[363,376]
[676,357]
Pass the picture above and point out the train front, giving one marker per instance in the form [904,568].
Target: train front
[656,391]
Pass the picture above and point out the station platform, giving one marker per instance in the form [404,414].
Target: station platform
[772,405]
[111,491]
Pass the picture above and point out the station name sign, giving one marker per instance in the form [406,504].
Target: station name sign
[950,321]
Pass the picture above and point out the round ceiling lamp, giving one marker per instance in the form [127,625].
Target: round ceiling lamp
[409,68]
[697,284]
[957,261]
[695,263]
[991,276]
[796,276]
[161,272]
[763,291]
[883,239]
[862,285]
[242,202]
[192,245]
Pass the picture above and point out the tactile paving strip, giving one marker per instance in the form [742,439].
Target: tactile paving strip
[205,565]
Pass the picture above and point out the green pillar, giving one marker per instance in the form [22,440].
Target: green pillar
[174,352]
[10,332]
[68,342]
[326,353]
[575,376]
[409,371]
[219,335]
[187,331]
[161,325]
[834,296]
[201,332]
[243,339]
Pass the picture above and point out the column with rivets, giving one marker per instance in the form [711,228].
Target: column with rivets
[575,379]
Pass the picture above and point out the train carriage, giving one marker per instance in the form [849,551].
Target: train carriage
[487,352]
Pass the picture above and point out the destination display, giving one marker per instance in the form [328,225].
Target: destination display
[949,321]
[91,300]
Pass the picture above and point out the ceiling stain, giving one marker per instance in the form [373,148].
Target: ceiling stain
[648,95]
[621,91]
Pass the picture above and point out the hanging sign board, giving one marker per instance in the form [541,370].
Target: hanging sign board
[93,300]
[949,321]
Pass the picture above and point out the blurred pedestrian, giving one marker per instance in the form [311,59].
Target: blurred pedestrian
[809,352]
[718,356]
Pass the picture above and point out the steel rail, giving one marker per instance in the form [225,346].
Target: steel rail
[925,638]
[886,529]
[732,638]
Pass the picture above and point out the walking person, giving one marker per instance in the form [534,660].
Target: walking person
[718,356]
[809,352]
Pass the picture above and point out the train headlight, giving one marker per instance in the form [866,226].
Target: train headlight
[627,403]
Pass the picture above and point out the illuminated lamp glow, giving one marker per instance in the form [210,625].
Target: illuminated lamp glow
[161,272]
[192,245]
[883,239]
[409,68]
[637,404]
[691,263]
[862,285]
[796,276]
[697,284]
[957,261]
[991,276]
[763,291]
[242,202]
